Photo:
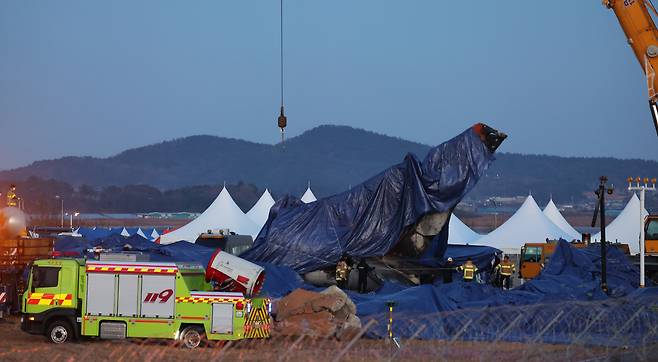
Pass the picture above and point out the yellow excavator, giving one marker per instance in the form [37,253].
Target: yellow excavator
[642,35]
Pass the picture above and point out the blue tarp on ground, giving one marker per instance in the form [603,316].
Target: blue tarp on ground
[175,252]
[116,230]
[95,234]
[280,280]
[570,275]
[85,230]
[369,219]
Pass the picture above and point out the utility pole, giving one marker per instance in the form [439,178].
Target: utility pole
[62,200]
[599,210]
[71,215]
[642,189]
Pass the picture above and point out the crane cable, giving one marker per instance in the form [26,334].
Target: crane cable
[282,120]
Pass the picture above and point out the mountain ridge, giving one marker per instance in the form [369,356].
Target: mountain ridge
[330,157]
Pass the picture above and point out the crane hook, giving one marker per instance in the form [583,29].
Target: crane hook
[283,122]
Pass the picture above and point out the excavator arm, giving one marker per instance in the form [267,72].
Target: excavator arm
[642,35]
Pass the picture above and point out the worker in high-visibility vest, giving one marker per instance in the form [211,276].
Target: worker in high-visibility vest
[447,271]
[469,269]
[506,268]
[343,272]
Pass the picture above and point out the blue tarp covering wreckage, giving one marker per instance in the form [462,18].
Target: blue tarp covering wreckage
[570,275]
[369,219]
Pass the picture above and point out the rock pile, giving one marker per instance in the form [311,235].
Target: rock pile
[330,313]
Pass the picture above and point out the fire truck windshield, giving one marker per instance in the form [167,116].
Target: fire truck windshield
[44,277]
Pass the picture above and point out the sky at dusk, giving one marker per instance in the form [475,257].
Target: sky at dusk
[97,77]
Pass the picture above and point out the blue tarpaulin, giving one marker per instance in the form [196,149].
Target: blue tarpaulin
[539,310]
[176,252]
[571,274]
[279,280]
[369,219]
[95,234]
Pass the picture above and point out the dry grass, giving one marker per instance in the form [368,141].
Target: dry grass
[19,346]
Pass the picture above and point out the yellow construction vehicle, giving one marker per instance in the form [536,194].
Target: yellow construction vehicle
[651,235]
[535,255]
[636,22]
[650,248]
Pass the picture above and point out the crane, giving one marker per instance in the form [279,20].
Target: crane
[642,35]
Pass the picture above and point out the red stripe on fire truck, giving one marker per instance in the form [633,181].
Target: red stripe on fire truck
[96,268]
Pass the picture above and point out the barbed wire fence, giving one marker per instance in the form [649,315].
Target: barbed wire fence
[568,330]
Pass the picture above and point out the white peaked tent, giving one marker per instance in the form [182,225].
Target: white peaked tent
[527,225]
[552,213]
[223,213]
[141,233]
[460,233]
[261,210]
[308,196]
[154,235]
[125,233]
[625,228]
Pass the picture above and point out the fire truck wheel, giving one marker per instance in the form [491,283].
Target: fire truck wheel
[59,332]
[192,337]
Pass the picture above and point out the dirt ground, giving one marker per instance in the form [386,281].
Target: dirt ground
[19,346]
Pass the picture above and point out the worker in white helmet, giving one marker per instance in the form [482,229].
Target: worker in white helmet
[447,271]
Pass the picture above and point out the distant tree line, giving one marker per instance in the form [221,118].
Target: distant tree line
[40,197]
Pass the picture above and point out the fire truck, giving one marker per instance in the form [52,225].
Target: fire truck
[71,298]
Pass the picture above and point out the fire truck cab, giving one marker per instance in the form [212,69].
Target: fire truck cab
[69,298]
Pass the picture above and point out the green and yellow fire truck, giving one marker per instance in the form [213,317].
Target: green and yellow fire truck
[70,298]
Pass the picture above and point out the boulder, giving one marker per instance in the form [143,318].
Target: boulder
[341,300]
[319,324]
[350,328]
[297,302]
[325,314]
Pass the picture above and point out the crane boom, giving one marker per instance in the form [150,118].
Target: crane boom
[642,35]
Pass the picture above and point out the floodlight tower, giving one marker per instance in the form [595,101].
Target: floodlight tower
[642,187]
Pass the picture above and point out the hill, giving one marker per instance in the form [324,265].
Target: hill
[330,157]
